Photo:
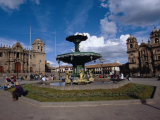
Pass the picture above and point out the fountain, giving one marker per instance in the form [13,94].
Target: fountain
[78,59]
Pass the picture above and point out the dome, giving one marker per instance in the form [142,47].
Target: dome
[155,29]
[38,40]
[131,37]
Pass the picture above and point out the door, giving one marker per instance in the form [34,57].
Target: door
[18,67]
[1,69]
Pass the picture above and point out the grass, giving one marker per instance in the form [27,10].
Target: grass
[129,91]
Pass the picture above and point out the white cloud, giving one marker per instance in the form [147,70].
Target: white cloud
[37,2]
[111,49]
[11,4]
[11,42]
[102,0]
[53,64]
[64,64]
[104,5]
[8,5]
[137,12]
[108,28]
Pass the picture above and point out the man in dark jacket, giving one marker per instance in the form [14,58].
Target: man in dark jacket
[17,92]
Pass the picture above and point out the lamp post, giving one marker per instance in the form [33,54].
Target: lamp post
[102,60]
[59,69]
[39,68]
[17,66]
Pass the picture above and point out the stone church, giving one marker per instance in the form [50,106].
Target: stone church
[146,53]
[16,58]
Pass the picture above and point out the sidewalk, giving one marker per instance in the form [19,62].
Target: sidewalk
[21,110]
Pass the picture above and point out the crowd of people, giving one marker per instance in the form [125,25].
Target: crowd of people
[42,77]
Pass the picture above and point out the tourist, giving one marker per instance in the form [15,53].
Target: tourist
[14,80]
[4,76]
[40,76]
[100,76]
[43,78]
[8,80]
[31,77]
[17,92]
[36,77]
[26,77]
[47,79]
[22,78]
[138,75]
[61,78]
[158,76]
[122,76]
[71,77]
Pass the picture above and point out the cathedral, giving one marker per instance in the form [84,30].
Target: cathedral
[16,58]
[147,54]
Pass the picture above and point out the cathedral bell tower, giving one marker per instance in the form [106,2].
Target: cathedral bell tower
[132,52]
[38,56]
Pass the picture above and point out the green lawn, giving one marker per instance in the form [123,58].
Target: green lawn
[129,91]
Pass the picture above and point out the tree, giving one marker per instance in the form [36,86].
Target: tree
[145,70]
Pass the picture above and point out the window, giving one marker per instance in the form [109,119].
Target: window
[144,57]
[156,40]
[157,50]
[41,48]
[18,55]
[39,60]
[158,57]
[131,54]
[38,48]
[131,46]
[1,55]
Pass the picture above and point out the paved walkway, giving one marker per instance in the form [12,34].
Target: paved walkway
[20,110]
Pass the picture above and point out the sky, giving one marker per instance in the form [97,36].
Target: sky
[106,23]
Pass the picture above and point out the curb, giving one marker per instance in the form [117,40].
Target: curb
[87,103]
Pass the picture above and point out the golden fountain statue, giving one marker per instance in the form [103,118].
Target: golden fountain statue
[67,80]
[91,79]
[81,78]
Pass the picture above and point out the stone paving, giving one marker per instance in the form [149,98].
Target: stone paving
[20,110]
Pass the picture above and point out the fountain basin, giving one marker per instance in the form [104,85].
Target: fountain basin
[83,87]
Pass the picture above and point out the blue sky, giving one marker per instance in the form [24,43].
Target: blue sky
[107,23]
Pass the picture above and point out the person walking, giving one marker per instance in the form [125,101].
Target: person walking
[4,76]
[122,77]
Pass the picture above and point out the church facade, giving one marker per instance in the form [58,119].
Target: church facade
[16,58]
[147,54]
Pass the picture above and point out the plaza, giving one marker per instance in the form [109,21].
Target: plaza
[22,110]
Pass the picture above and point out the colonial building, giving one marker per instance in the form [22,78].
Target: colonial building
[147,54]
[62,69]
[16,58]
[107,68]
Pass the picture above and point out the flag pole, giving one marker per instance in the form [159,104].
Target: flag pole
[29,49]
[55,48]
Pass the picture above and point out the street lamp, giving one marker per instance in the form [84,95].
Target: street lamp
[17,67]
[39,68]
[59,69]
[102,60]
